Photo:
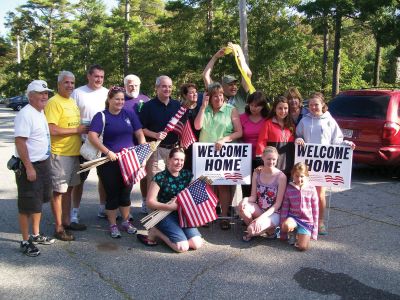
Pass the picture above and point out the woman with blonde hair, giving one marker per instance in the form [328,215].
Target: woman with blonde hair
[260,211]
[319,127]
[219,123]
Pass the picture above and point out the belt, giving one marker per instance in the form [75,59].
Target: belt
[38,162]
[171,146]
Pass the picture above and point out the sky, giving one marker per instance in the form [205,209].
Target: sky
[10,5]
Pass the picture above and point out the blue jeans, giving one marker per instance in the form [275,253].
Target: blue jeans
[170,227]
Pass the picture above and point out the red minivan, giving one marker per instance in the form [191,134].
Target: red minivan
[371,119]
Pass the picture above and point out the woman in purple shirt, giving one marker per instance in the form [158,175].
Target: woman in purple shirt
[120,125]
[252,121]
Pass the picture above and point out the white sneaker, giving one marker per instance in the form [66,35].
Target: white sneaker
[74,217]
[144,208]
[102,214]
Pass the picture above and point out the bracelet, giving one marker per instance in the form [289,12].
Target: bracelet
[107,152]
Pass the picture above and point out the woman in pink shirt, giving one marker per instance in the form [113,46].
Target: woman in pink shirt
[252,121]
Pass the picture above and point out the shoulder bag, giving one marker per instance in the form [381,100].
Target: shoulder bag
[90,152]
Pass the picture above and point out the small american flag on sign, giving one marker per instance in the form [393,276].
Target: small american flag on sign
[335,180]
[196,205]
[130,162]
[185,134]
[233,176]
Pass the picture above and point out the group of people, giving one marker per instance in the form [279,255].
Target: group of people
[49,134]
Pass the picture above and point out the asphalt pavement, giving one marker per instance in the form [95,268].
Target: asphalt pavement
[359,259]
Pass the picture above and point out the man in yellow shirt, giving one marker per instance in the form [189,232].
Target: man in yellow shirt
[63,117]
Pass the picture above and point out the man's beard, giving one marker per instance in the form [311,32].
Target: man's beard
[132,94]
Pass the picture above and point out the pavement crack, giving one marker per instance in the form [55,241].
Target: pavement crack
[115,285]
[365,217]
[205,270]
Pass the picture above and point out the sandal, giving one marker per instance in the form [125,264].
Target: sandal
[144,239]
[322,230]
[225,225]
[247,238]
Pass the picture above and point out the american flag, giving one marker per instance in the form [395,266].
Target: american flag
[196,205]
[174,120]
[185,133]
[130,162]
[233,176]
[335,180]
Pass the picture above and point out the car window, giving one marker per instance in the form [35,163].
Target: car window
[371,107]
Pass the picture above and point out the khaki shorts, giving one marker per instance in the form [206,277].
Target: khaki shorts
[63,172]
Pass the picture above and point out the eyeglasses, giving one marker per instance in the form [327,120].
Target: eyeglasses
[114,89]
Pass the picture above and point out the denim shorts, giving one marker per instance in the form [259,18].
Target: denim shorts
[302,230]
[170,227]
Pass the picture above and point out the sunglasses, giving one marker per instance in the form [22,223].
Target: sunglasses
[114,89]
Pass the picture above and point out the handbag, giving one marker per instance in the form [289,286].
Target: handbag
[90,152]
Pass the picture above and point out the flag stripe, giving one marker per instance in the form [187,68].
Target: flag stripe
[197,203]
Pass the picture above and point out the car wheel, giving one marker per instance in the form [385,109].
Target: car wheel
[19,107]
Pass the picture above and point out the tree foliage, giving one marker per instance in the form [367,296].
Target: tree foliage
[177,38]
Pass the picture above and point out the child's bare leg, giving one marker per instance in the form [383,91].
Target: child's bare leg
[288,225]
[322,205]
[303,242]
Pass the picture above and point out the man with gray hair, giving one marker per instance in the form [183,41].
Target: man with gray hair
[155,116]
[32,148]
[134,101]
[64,121]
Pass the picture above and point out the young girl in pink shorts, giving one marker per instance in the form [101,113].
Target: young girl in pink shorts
[299,211]
[260,211]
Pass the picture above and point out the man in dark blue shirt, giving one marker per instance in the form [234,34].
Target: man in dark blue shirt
[155,116]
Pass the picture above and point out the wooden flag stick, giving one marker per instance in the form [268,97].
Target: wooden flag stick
[94,161]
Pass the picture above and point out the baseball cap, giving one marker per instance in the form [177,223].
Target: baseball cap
[227,79]
[38,86]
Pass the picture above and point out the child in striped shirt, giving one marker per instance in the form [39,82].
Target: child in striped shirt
[299,211]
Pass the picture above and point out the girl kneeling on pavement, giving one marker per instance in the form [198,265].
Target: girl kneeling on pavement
[165,186]
[260,211]
[299,211]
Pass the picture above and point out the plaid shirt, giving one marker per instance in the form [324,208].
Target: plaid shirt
[302,205]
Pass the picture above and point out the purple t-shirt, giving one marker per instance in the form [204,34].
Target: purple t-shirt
[132,104]
[118,130]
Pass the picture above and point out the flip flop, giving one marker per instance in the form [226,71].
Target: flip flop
[246,238]
[322,230]
[144,239]
[225,225]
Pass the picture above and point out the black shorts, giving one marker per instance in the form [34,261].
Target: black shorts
[31,195]
[83,175]
[117,193]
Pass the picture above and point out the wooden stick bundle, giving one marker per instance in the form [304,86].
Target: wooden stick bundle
[153,218]
[156,216]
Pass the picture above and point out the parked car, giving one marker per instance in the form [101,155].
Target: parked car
[17,102]
[371,119]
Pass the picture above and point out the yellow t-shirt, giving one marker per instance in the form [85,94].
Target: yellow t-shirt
[64,113]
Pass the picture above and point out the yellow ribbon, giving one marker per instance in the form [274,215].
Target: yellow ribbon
[232,48]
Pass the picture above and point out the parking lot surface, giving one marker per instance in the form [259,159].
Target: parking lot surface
[359,259]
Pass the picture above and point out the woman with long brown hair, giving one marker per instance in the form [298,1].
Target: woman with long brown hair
[278,131]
